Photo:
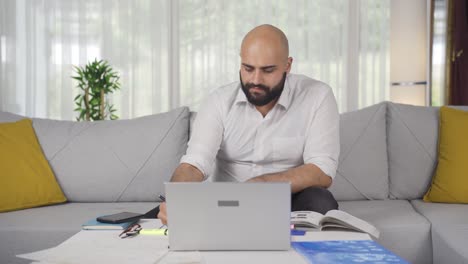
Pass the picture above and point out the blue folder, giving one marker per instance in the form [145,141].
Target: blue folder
[346,251]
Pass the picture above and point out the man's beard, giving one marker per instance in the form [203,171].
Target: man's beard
[269,94]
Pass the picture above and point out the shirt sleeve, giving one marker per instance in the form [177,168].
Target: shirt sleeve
[322,146]
[206,136]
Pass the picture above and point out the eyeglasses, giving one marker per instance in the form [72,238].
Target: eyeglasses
[131,231]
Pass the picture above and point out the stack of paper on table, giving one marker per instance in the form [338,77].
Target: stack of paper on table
[89,246]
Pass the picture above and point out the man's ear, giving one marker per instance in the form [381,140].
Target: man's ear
[288,67]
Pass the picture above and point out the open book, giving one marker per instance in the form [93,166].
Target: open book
[333,220]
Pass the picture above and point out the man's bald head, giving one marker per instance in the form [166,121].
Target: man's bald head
[266,37]
[265,63]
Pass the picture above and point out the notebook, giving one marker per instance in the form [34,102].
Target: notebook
[228,216]
[93,224]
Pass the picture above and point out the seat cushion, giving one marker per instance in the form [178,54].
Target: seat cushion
[362,168]
[449,230]
[35,229]
[402,230]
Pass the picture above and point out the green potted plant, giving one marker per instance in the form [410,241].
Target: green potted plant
[95,80]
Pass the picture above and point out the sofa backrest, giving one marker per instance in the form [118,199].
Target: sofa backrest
[388,150]
[362,169]
[412,149]
[193,115]
[113,161]
[412,142]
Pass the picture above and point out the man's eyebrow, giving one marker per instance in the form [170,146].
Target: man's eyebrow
[268,67]
[263,68]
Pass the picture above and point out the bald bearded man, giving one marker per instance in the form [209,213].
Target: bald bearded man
[270,126]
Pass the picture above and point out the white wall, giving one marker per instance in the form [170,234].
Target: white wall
[408,51]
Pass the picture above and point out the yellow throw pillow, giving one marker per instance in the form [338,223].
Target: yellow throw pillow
[25,175]
[450,182]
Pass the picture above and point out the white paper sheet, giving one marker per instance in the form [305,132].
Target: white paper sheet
[37,256]
[105,246]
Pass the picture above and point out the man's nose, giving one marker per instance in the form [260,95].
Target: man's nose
[257,78]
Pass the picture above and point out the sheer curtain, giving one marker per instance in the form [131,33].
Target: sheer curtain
[172,53]
[343,43]
[43,39]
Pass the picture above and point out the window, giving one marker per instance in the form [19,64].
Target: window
[173,53]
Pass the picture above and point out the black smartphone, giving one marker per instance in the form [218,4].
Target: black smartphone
[119,218]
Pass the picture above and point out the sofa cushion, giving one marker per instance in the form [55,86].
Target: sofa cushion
[26,177]
[114,161]
[412,149]
[49,226]
[362,169]
[449,230]
[402,230]
[450,182]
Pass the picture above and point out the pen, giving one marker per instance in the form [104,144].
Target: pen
[164,200]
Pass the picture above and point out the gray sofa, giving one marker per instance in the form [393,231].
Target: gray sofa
[388,156]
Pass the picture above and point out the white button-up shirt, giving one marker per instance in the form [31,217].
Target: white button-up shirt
[229,132]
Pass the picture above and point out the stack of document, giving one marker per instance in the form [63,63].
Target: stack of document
[107,247]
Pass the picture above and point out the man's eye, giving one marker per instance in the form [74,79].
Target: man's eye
[248,69]
[269,70]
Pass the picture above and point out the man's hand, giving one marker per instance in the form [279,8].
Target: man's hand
[183,173]
[162,213]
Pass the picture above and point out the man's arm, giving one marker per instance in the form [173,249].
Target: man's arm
[187,173]
[205,140]
[301,177]
[183,173]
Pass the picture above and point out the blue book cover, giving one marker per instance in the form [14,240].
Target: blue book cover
[93,224]
[346,251]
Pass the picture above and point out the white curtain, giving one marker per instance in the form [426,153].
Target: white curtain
[172,53]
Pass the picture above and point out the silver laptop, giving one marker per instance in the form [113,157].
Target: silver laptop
[229,216]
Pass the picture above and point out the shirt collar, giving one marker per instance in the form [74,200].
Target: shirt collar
[240,94]
[284,100]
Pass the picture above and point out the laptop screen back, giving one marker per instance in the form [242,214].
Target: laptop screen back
[228,216]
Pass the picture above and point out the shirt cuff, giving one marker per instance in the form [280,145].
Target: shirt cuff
[328,166]
[200,165]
